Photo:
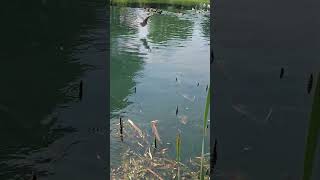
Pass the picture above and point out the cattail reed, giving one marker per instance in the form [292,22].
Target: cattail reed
[214,156]
[177,110]
[80,90]
[121,127]
[310,83]
[281,73]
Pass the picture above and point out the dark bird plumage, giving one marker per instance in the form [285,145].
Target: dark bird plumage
[145,21]
[310,83]
[281,73]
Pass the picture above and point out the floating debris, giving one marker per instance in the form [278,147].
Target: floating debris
[281,73]
[184,119]
[198,85]
[176,79]
[154,174]
[154,124]
[247,148]
[189,98]
[135,89]
[207,88]
[136,128]
[310,83]
[269,115]
[241,109]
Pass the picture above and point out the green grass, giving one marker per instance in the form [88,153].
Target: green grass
[160,2]
[313,133]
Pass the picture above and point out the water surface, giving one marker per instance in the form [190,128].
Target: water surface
[150,59]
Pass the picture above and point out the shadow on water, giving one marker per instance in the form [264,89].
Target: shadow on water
[37,72]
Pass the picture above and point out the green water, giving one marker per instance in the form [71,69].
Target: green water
[149,59]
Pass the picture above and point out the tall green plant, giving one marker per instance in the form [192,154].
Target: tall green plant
[313,133]
[178,153]
[205,122]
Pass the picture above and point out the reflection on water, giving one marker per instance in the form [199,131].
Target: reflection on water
[145,62]
[42,63]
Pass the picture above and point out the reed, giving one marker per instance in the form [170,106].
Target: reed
[313,133]
[178,153]
[205,121]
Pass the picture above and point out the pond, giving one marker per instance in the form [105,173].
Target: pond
[154,70]
[45,128]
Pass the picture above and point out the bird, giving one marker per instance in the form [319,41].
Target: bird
[145,21]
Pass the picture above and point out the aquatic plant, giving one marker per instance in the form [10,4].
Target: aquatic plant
[178,152]
[313,133]
[205,121]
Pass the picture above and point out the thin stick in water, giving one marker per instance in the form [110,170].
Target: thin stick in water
[121,127]
[177,110]
[80,90]
[310,83]
[281,73]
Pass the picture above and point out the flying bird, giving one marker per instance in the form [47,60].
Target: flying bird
[145,21]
